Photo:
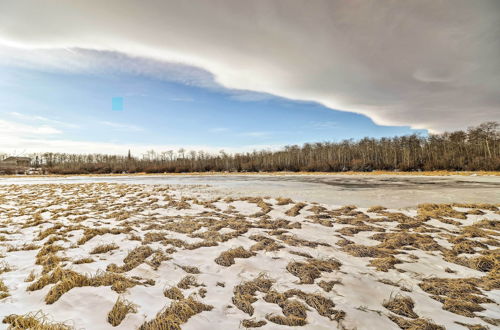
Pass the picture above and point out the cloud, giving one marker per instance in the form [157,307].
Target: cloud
[256,134]
[9,130]
[123,127]
[34,145]
[26,117]
[423,63]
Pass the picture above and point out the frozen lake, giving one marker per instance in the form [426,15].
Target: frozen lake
[361,190]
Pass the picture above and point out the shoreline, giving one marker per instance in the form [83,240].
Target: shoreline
[285,173]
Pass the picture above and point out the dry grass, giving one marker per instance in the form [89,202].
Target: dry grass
[134,258]
[265,243]
[244,294]
[295,210]
[401,305]
[59,219]
[291,321]
[4,290]
[310,270]
[187,282]
[157,258]
[328,285]
[65,280]
[31,276]
[120,310]
[190,269]
[33,321]
[173,293]
[176,314]
[416,324]
[104,248]
[86,260]
[283,201]
[438,211]
[385,263]
[324,306]
[252,323]
[226,258]
[376,209]
[461,296]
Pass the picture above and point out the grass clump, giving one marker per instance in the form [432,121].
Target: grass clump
[190,269]
[416,324]
[461,295]
[244,293]
[104,248]
[226,258]
[385,263]
[328,286]
[65,280]
[120,310]
[80,261]
[187,282]
[264,243]
[283,201]
[133,259]
[308,271]
[173,293]
[401,305]
[295,210]
[252,323]
[176,314]
[291,321]
[4,290]
[438,211]
[31,277]
[33,321]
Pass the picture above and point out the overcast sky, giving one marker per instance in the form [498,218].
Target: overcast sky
[340,69]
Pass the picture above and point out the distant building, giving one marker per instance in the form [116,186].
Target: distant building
[15,162]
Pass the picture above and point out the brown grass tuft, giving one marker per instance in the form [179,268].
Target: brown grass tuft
[173,293]
[291,321]
[308,271]
[401,305]
[226,258]
[417,324]
[187,282]
[87,260]
[176,314]
[120,310]
[244,294]
[132,260]
[104,248]
[33,321]
[295,210]
[252,323]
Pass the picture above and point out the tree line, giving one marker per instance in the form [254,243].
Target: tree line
[476,148]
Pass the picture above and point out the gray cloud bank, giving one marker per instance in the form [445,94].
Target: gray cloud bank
[427,64]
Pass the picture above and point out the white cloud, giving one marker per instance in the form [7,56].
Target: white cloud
[33,145]
[424,63]
[26,117]
[9,130]
[256,134]
[120,126]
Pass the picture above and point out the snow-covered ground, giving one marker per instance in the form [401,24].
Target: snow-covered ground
[394,191]
[186,256]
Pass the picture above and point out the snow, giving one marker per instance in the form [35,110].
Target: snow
[360,294]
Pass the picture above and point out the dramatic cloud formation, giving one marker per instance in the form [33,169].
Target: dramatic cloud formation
[425,63]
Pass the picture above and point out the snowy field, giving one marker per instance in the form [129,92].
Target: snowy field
[101,255]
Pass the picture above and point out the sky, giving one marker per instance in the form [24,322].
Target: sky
[241,75]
